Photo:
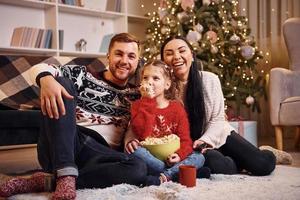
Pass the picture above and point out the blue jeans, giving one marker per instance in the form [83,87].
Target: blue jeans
[156,166]
[67,149]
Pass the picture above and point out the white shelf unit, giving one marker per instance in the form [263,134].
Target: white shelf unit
[76,22]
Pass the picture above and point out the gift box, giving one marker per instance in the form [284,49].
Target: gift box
[246,129]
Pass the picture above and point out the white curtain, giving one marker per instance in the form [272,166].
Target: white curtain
[265,20]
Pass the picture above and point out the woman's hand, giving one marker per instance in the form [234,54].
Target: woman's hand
[131,146]
[172,159]
[201,146]
[51,95]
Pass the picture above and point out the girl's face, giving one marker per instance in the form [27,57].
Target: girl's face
[179,56]
[154,77]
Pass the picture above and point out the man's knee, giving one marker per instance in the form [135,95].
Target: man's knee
[67,84]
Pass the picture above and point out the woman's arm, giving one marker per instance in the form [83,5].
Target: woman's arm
[217,128]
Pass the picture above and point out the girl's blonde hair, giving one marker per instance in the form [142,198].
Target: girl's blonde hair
[168,73]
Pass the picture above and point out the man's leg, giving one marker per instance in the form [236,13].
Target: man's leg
[57,145]
[106,167]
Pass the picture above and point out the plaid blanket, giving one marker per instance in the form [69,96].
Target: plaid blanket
[17,90]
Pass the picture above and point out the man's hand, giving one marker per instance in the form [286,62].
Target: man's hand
[51,97]
[131,146]
[172,159]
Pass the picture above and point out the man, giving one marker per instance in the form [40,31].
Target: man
[86,153]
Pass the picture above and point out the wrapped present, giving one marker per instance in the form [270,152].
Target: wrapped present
[246,129]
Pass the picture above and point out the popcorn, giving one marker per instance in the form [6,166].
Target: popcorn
[147,90]
[162,140]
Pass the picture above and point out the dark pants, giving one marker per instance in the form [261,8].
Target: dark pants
[64,146]
[238,154]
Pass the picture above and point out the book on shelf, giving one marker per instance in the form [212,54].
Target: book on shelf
[61,39]
[96,4]
[17,36]
[105,43]
[31,37]
[72,2]
[113,5]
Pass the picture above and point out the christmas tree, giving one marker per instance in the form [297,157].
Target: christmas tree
[222,42]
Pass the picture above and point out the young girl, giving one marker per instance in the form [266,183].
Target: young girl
[157,115]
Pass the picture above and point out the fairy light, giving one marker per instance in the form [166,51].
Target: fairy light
[142,5]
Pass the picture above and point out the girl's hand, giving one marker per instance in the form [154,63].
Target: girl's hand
[201,146]
[131,146]
[147,90]
[173,159]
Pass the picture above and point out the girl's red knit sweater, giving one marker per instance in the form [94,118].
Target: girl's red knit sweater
[149,121]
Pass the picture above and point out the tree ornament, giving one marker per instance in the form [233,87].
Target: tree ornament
[185,4]
[198,27]
[235,38]
[247,52]
[162,13]
[193,36]
[206,2]
[163,4]
[250,40]
[214,49]
[232,49]
[182,16]
[172,21]
[212,36]
[164,30]
[249,100]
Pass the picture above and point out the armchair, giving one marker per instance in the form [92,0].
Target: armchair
[285,86]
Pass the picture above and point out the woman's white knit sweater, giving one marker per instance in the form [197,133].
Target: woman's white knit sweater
[217,128]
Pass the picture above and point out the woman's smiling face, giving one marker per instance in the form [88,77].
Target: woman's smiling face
[179,56]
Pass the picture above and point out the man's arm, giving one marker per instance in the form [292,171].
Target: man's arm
[51,92]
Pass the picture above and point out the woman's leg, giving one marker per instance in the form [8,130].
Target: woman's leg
[247,156]
[102,166]
[195,158]
[154,165]
[218,163]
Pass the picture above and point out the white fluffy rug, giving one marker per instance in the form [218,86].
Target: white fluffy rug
[283,183]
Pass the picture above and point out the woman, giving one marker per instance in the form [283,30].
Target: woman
[225,151]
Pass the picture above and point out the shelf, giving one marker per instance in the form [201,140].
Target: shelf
[26,50]
[81,54]
[29,3]
[90,23]
[137,18]
[88,11]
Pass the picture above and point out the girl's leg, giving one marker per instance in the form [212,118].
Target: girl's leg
[247,156]
[154,165]
[195,158]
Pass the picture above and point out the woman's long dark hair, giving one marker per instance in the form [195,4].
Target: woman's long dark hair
[194,98]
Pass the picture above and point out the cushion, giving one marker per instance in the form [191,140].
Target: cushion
[287,114]
[17,90]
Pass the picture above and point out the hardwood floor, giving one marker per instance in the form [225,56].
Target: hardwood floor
[21,160]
